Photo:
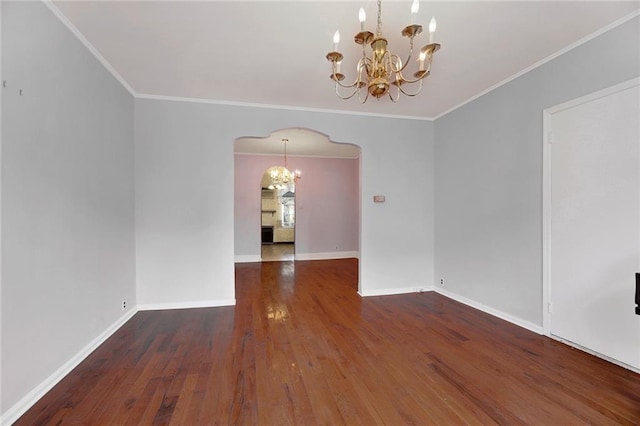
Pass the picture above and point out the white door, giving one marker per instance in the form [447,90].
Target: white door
[595,225]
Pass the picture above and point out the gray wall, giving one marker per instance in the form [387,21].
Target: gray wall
[67,192]
[184,196]
[488,198]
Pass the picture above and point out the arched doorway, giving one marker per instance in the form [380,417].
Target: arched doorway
[326,200]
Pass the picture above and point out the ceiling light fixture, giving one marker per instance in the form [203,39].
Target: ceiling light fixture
[383,68]
[280,176]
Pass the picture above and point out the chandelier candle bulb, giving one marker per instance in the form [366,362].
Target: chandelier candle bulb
[432,29]
[421,60]
[415,6]
[362,16]
[336,40]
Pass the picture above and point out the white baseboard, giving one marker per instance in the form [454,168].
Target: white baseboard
[251,258]
[19,408]
[248,258]
[594,353]
[327,256]
[491,311]
[187,305]
[392,291]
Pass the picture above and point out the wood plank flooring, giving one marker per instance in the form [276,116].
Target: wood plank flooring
[281,252]
[301,347]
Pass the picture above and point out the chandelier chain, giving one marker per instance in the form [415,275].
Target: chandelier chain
[281,177]
[379,26]
[285,152]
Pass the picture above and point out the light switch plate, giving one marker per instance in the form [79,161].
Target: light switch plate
[378,198]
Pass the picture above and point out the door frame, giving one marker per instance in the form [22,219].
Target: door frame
[547,141]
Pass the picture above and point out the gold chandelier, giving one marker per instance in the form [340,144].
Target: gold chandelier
[280,176]
[383,68]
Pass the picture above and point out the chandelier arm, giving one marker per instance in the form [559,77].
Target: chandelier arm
[408,57]
[424,75]
[346,86]
[404,65]
[394,100]
[355,90]
[367,66]
[362,64]
[414,93]
[362,101]
[406,81]
[387,60]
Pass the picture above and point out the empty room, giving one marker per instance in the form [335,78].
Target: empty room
[320,212]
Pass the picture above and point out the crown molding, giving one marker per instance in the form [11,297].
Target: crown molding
[545,60]
[279,107]
[75,31]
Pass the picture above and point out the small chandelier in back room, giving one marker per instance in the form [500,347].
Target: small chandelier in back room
[280,176]
[382,68]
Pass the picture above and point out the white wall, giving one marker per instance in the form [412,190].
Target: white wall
[184,196]
[68,201]
[488,173]
[327,206]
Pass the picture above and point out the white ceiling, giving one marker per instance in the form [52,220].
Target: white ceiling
[273,52]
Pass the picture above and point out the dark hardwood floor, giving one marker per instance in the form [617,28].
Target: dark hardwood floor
[301,347]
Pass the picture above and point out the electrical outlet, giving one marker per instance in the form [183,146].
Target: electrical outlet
[124,305]
[442,282]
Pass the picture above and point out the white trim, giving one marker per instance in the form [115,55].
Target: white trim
[594,353]
[545,60]
[547,142]
[593,96]
[327,256]
[1,94]
[247,258]
[547,130]
[546,219]
[75,31]
[491,311]
[393,291]
[187,305]
[19,408]
[280,107]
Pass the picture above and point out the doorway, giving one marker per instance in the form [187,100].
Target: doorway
[592,223]
[326,197]
[277,219]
